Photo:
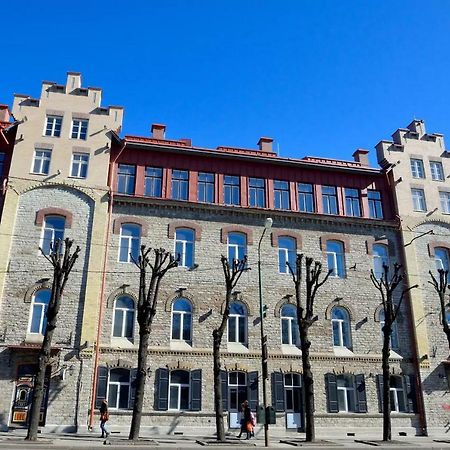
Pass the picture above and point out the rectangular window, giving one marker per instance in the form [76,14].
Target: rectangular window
[329,199]
[41,162]
[231,190]
[445,202]
[418,198]
[256,193]
[153,182]
[352,205]
[417,170]
[305,197]
[375,205]
[79,129]
[126,176]
[281,195]
[80,162]
[2,163]
[53,126]
[180,184]
[437,171]
[205,187]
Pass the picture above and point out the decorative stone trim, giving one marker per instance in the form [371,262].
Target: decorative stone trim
[341,304]
[371,241]
[334,237]
[41,284]
[180,366]
[80,115]
[42,213]
[123,290]
[132,220]
[276,234]
[43,145]
[119,364]
[237,367]
[54,112]
[236,229]
[436,244]
[184,224]
[284,301]
[240,300]
[76,149]
[169,302]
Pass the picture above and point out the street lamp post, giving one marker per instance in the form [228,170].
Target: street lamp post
[264,355]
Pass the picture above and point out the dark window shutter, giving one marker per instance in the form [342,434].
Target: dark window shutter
[380,392]
[196,390]
[360,387]
[409,388]
[102,385]
[224,384]
[332,398]
[133,373]
[252,389]
[278,391]
[162,390]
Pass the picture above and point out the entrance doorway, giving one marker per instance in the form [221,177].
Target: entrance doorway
[293,400]
[237,393]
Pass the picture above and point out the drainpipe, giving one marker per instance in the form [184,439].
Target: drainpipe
[102,290]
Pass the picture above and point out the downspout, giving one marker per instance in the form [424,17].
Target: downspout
[102,289]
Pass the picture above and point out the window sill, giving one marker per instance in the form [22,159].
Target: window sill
[38,173]
[76,178]
[34,338]
[122,342]
[287,349]
[342,351]
[236,347]
[180,345]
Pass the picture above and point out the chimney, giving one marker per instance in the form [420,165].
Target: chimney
[360,155]
[4,113]
[158,131]
[265,144]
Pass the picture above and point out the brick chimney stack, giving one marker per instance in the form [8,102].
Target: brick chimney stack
[265,144]
[361,156]
[158,131]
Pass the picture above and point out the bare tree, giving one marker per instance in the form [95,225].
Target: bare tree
[161,263]
[305,319]
[62,262]
[441,288]
[387,286]
[232,274]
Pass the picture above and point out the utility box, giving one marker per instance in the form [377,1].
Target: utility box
[261,417]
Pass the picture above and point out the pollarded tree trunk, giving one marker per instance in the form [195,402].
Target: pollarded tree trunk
[218,405]
[386,384]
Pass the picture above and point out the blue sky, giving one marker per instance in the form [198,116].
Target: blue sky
[320,77]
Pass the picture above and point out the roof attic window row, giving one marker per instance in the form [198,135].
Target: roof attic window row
[206,187]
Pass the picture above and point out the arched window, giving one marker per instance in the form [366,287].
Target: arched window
[123,317]
[397,393]
[237,323]
[380,259]
[130,241]
[119,389]
[184,246]
[237,246]
[289,326]
[182,320]
[340,321]
[442,258]
[286,254]
[179,393]
[335,258]
[39,305]
[52,231]
[394,335]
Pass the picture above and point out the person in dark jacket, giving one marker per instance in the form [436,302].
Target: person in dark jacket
[248,420]
[104,417]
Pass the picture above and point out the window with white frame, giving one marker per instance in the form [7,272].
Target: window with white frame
[41,162]
[352,204]
[256,193]
[180,184]
[289,325]
[237,323]
[119,389]
[340,321]
[437,171]
[182,320]
[418,199]
[329,200]
[445,201]
[53,126]
[205,187]
[380,258]
[397,394]
[394,334]
[126,176]
[375,204]
[281,195]
[153,182]
[237,389]
[335,258]
[184,246]
[179,390]
[39,305]
[80,162]
[346,393]
[287,253]
[417,169]
[123,320]
[52,231]
[441,257]
[237,246]
[130,241]
[231,190]
[79,129]
[305,197]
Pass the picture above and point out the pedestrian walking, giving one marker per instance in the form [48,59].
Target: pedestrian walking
[104,417]
[248,420]
[242,420]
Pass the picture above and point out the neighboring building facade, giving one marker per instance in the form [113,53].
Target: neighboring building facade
[419,169]
[56,188]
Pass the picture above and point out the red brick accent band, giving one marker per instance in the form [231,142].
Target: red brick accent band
[371,241]
[42,213]
[184,224]
[236,229]
[276,234]
[334,237]
[436,244]
[133,220]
